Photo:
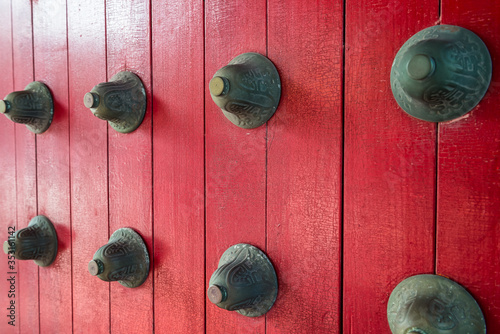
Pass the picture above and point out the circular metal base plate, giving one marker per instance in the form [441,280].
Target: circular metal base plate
[49,232]
[441,73]
[253,92]
[44,98]
[431,304]
[134,241]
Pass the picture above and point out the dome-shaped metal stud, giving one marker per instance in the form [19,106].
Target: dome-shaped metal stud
[247,90]
[124,259]
[36,242]
[121,101]
[245,281]
[33,106]
[431,304]
[441,73]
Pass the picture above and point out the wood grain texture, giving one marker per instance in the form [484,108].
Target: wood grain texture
[235,158]
[9,293]
[468,234]
[178,165]
[305,166]
[278,187]
[130,161]
[389,165]
[88,164]
[50,54]
[22,53]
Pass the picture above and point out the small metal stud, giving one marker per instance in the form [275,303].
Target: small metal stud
[121,101]
[36,242]
[33,106]
[247,90]
[244,282]
[124,259]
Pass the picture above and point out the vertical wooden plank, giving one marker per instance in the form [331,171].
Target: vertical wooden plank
[468,235]
[50,52]
[178,160]
[235,157]
[25,164]
[305,166]
[389,165]
[9,290]
[88,163]
[130,160]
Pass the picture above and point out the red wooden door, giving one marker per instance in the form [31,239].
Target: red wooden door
[346,193]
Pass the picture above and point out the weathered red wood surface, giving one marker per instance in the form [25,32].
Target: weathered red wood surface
[178,165]
[469,176]
[22,53]
[9,292]
[389,165]
[88,164]
[235,158]
[339,188]
[305,166]
[50,54]
[130,161]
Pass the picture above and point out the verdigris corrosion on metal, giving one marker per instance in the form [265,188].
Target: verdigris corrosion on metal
[33,107]
[247,90]
[124,259]
[431,304]
[121,101]
[36,242]
[441,73]
[245,281]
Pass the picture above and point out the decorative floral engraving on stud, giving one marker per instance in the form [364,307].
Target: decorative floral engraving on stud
[248,277]
[124,259]
[251,91]
[458,82]
[36,242]
[121,101]
[32,107]
[429,303]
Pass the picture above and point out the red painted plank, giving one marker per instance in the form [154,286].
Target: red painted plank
[50,52]
[9,297]
[178,143]
[389,165]
[469,173]
[88,164]
[25,164]
[235,158]
[305,166]
[130,160]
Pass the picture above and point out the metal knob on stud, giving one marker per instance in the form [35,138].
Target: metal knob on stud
[33,107]
[441,73]
[36,242]
[245,281]
[124,259]
[431,304]
[247,90]
[121,101]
